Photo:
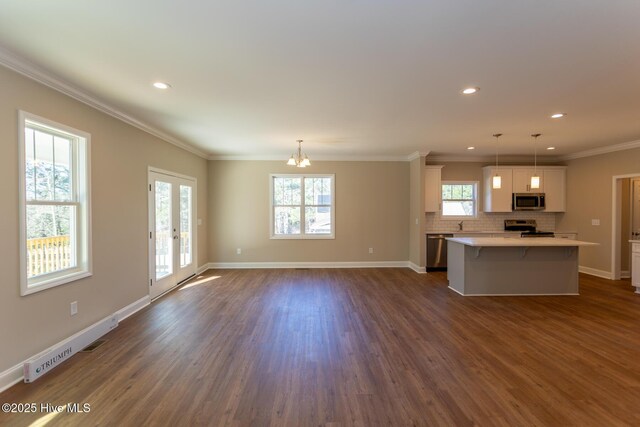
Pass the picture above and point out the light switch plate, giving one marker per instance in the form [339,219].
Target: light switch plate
[74,308]
[595,222]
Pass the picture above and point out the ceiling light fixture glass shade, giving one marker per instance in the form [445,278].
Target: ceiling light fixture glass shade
[535,178]
[496,183]
[299,159]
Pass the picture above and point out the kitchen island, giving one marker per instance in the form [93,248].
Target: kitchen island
[513,266]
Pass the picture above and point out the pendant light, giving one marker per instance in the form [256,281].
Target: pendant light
[535,178]
[497,179]
[297,159]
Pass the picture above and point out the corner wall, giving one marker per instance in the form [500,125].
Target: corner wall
[372,207]
[120,155]
[417,237]
[589,196]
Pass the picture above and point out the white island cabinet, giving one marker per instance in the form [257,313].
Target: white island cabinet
[635,264]
[504,266]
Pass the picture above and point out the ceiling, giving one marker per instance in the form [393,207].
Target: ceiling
[364,78]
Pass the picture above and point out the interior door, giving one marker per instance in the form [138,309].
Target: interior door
[171,232]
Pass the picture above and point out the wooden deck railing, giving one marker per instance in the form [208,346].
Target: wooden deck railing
[47,254]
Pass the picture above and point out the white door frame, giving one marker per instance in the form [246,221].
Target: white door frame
[616,202]
[151,257]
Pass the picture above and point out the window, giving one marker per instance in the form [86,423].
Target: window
[302,207]
[459,199]
[55,211]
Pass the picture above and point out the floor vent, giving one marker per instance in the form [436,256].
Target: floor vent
[91,347]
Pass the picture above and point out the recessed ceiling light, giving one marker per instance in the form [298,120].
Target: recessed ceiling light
[558,115]
[161,85]
[471,148]
[470,90]
[551,148]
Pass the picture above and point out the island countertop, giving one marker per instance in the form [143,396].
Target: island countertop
[518,242]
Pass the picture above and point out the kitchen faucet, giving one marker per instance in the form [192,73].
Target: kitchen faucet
[460,225]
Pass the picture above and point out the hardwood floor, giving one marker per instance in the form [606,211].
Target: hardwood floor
[356,347]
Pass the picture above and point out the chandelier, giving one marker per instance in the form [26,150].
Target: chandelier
[298,159]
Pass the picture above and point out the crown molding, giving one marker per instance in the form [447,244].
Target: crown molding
[319,158]
[27,69]
[417,155]
[603,150]
[492,159]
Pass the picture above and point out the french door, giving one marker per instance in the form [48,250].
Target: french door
[171,231]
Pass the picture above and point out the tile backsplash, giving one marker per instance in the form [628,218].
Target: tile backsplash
[489,221]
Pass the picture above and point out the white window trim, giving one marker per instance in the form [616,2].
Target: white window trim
[85,267]
[302,235]
[475,204]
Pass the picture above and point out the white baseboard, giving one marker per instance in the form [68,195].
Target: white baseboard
[15,374]
[202,269]
[417,268]
[11,376]
[510,295]
[133,308]
[595,272]
[625,274]
[362,264]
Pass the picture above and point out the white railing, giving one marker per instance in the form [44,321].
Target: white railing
[48,254]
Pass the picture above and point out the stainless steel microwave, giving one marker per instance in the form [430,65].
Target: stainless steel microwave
[528,201]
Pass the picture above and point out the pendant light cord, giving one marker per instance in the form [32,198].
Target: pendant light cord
[535,153]
[497,135]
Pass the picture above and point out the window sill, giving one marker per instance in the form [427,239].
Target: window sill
[302,237]
[43,284]
[459,218]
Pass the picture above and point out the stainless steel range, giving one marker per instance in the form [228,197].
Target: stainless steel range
[528,227]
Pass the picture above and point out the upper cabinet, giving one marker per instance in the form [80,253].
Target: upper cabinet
[517,179]
[555,189]
[522,180]
[497,199]
[432,188]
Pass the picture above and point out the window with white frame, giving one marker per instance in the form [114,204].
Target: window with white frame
[460,199]
[302,206]
[55,204]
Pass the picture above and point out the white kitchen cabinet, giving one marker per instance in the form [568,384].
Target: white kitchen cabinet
[497,199]
[432,188]
[522,180]
[555,189]
[635,265]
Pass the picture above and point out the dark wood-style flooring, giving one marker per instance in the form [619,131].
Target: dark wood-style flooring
[356,347]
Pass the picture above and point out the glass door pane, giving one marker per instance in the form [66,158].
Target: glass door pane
[164,237]
[185,226]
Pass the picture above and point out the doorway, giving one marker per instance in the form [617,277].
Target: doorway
[626,223]
[172,238]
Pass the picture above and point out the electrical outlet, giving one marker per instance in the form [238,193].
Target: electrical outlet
[199,221]
[74,308]
[370,250]
[417,221]
[595,222]
[239,251]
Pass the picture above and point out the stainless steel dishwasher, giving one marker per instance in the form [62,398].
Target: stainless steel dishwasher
[437,251]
